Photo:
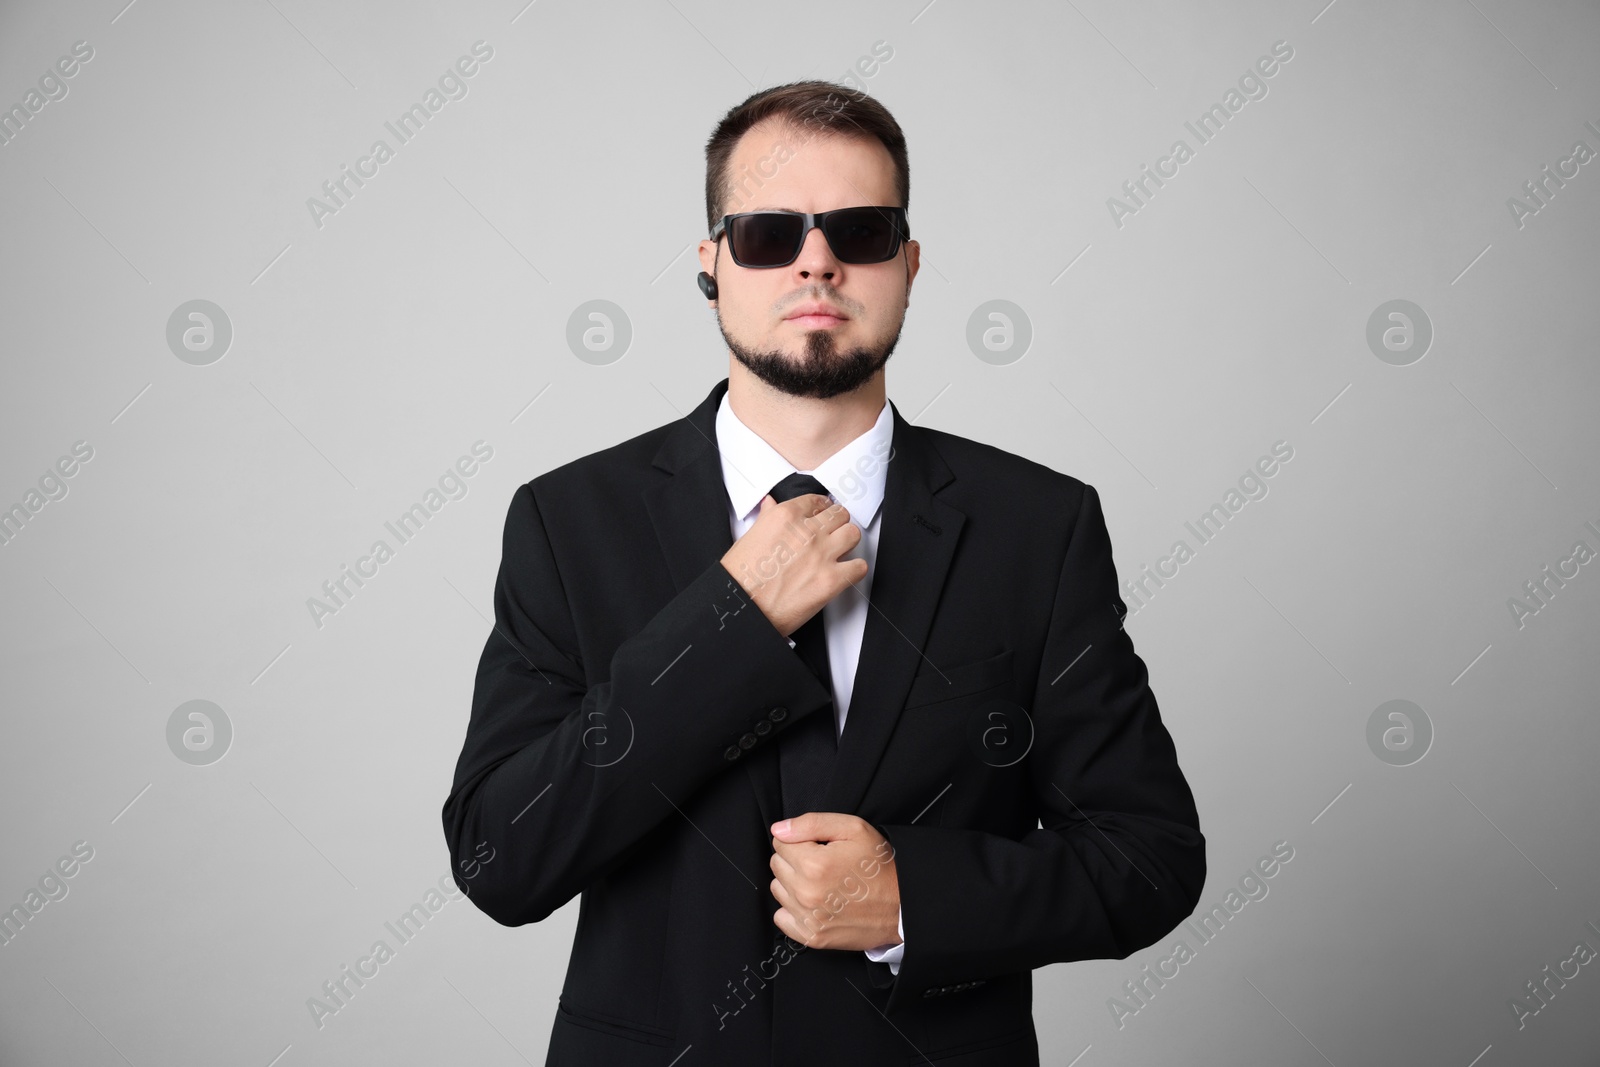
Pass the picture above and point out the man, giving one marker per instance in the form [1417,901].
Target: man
[832,776]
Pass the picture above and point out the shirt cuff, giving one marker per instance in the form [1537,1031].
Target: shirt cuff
[891,954]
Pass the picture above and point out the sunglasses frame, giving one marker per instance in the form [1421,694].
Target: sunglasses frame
[814,220]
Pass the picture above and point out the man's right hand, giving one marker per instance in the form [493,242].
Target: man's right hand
[788,562]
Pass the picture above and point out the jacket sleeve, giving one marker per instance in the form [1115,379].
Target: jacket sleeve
[563,778]
[1119,859]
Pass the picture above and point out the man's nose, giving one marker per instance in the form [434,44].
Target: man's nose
[816,259]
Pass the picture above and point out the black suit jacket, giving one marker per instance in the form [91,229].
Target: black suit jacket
[1002,735]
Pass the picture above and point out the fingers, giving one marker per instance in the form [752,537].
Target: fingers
[818,513]
[842,540]
[815,504]
[831,516]
[780,866]
[807,504]
[810,503]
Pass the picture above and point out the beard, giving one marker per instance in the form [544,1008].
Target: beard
[820,371]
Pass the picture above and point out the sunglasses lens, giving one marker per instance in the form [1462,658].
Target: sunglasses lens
[862,235]
[772,238]
[765,239]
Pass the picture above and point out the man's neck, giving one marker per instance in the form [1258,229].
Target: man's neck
[803,430]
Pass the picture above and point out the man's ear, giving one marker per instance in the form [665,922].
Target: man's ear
[907,250]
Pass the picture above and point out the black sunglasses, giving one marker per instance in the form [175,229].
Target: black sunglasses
[774,238]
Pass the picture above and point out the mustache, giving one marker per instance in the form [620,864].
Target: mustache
[824,294]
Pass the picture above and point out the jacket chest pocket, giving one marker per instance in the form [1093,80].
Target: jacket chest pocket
[937,683]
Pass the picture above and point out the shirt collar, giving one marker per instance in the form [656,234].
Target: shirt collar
[854,476]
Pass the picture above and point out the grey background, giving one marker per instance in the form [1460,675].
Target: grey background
[431,312]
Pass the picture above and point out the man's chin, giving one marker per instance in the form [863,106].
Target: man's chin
[817,367]
[807,375]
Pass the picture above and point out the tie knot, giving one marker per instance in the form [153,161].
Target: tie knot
[797,484]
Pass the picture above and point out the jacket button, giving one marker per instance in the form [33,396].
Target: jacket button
[762,727]
[732,753]
[777,714]
[747,741]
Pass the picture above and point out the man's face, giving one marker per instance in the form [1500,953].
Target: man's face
[756,308]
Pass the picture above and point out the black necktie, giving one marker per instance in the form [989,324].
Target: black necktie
[806,750]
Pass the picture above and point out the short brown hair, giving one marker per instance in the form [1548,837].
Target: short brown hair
[814,107]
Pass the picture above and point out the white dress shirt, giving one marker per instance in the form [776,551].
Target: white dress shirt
[854,476]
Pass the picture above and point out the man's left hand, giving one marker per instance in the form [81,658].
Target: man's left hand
[835,881]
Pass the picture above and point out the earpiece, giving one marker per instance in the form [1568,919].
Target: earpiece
[708,285]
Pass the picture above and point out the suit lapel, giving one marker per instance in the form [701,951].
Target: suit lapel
[908,576]
[690,512]
[690,516]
